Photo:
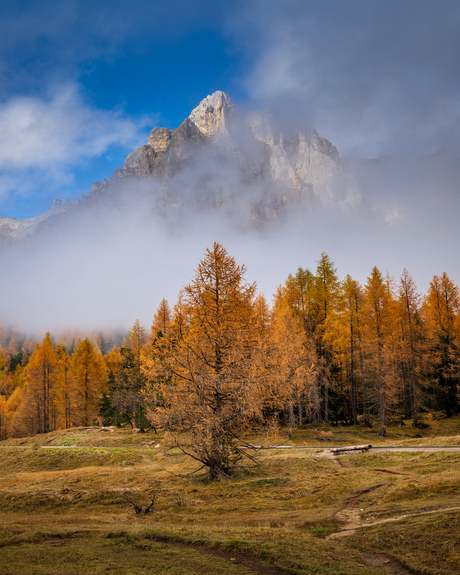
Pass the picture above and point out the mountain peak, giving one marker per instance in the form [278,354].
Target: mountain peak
[211,113]
[252,148]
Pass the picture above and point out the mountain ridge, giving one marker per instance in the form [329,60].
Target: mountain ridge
[218,158]
[13,229]
[299,165]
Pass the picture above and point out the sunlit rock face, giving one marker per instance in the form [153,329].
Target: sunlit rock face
[159,139]
[212,114]
[163,153]
[167,149]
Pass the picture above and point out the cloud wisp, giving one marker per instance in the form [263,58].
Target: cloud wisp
[45,139]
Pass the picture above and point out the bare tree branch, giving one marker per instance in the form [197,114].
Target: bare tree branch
[141,510]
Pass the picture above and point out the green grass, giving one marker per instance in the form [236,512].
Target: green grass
[100,555]
[62,511]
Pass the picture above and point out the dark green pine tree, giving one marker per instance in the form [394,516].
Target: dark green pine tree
[130,381]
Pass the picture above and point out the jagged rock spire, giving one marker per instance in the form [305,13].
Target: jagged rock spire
[211,114]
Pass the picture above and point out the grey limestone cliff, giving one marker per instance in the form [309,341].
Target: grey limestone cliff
[247,150]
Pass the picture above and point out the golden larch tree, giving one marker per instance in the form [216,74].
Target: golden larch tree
[39,409]
[3,419]
[293,361]
[161,320]
[344,335]
[410,341]
[379,328]
[211,387]
[89,380]
[66,395]
[326,295]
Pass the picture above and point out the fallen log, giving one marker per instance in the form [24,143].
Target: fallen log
[351,448]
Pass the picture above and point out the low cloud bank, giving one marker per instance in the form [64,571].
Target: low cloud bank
[112,260]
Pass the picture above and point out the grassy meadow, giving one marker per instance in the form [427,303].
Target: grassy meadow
[302,511]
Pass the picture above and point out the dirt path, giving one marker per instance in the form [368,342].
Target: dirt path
[350,515]
[352,518]
[235,558]
[384,562]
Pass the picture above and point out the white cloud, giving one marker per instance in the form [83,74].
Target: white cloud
[61,131]
[44,142]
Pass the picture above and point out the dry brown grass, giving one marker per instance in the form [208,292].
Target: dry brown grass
[279,511]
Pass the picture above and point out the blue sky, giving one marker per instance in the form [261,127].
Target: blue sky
[82,83]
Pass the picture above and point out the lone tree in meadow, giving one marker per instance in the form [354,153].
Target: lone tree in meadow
[210,365]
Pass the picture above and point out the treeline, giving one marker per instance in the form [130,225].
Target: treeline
[222,360]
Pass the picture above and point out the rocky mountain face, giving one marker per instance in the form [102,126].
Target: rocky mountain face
[218,158]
